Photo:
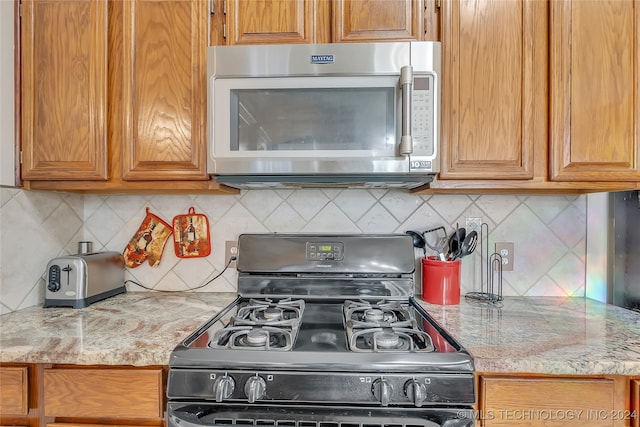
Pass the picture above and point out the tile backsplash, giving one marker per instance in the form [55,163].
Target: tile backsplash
[549,233]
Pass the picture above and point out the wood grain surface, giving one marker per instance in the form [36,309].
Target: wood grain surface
[14,391]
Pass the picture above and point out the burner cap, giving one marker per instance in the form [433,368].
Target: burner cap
[272,313]
[374,315]
[257,338]
[387,340]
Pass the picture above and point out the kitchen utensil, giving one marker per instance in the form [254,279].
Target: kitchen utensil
[418,241]
[468,245]
[441,241]
[455,242]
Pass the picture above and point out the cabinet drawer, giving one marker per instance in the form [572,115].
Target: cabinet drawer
[556,401]
[14,391]
[113,393]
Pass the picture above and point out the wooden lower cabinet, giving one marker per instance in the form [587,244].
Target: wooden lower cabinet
[14,391]
[88,425]
[96,393]
[553,401]
[635,402]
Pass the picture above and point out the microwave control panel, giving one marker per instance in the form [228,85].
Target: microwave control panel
[422,115]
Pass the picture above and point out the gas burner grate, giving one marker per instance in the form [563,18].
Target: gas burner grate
[263,338]
[363,314]
[389,339]
[262,325]
[285,313]
[383,326]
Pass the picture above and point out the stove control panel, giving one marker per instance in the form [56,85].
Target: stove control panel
[395,389]
[325,251]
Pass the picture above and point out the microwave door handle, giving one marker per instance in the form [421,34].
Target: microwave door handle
[406,84]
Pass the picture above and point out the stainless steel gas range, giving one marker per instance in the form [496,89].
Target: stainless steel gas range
[325,332]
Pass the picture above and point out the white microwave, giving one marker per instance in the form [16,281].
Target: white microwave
[350,114]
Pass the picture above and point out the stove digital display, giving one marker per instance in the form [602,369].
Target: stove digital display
[325,251]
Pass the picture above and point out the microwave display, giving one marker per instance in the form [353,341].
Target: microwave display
[303,119]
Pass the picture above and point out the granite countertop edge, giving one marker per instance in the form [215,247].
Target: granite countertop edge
[537,335]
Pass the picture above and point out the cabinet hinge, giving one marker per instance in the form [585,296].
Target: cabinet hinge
[224,7]
[20,156]
[212,7]
[438,4]
[224,31]
[20,9]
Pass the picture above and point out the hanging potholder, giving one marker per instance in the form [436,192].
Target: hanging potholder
[148,242]
[191,235]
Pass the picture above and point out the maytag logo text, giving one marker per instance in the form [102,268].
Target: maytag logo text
[322,59]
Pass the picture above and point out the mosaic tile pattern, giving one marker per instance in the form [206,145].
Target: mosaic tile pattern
[549,233]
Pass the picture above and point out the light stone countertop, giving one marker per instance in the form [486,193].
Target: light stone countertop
[137,328]
[529,335]
[545,335]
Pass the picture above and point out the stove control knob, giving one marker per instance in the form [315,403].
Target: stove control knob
[223,387]
[382,390]
[255,388]
[416,392]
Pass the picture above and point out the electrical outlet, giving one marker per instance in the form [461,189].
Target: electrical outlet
[505,249]
[230,249]
[473,224]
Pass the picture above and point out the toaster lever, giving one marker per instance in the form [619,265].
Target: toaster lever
[67,269]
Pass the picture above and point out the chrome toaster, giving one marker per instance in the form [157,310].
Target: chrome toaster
[79,280]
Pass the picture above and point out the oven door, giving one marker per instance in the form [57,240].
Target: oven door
[205,414]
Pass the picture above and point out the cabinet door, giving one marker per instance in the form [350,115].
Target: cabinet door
[64,89]
[515,401]
[488,92]
[13,391]
[595,90]
[635,403]
[103,393]
[276,21]
[377,20]
[164,90]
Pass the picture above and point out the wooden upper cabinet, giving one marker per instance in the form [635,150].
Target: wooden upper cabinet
[64,89]
[322,21]
[276,21]
[164,90]
[377,20]
[488,92]
[595,90]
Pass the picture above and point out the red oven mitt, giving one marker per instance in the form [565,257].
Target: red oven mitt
[148,242]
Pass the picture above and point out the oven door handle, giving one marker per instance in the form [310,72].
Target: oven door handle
[406,85]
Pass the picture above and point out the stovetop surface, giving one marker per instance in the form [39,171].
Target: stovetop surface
[322,342]
[323,327]
[302,288]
